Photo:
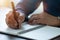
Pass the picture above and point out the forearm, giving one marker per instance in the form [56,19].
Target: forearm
[28,6]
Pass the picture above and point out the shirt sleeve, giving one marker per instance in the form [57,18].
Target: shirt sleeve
[26,7]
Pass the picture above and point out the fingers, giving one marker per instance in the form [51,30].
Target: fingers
[37,19]
[32,21]
[11,22]
[33,18]
[20,20]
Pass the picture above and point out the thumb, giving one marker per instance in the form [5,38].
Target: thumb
[21,18]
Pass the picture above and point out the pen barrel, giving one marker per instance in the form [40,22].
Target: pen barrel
[14,13]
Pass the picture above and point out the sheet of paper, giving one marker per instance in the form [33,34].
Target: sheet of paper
[35,31]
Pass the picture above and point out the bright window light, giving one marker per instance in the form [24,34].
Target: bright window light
[7,3]
[4,3]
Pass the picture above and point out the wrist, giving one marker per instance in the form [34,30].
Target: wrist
[20,12]
[21,15]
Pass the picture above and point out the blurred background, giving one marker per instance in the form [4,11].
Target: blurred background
[7,3]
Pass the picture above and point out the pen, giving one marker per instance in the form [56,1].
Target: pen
[14,13]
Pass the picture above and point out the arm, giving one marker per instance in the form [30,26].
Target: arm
[22,10]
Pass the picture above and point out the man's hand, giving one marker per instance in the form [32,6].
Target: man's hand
[44,18]
[12,22]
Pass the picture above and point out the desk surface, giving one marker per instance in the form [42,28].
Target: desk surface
[39,32]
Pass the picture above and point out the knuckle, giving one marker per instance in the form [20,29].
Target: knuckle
[11,23]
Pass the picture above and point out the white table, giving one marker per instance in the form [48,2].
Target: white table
[38,32]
